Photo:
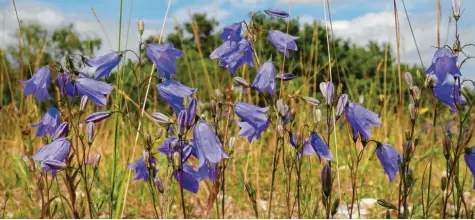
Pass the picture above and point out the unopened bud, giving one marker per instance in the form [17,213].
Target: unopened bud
[97,159]
[160,118]
[213,107]
[416,92]
[408,78]
[412,111]
[311,101]
[443,183]
[335,205]
[326,177]
[241,81]
[293,112]
[447,146]
[386,204]
[408,147]
[231,143]
[83,103]
[182,122]
[140,26]
[282,108]
[280,130]
[342,102]
[318,115]
[176,159]
[148,141]
[90,132]
[158,183]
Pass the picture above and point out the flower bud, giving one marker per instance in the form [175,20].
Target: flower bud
[280,130]
[90,132]
[83,103]
[326,177]
[408,147]
[386,204]
[285,76]
[140,27]
[416,92]
[412,111]
[182,122]
[146,156]
[293,113]
[148,141]
[282,108]
[218,94]
[158,183]
[213,107]
[335,205]
[443,183]
[241,81]
[97,159]
[191,112]
[311,101]
[98,116]
[447,146]
[408,78]
[456,9]
[61,131]
[161,118]
[318,115]
[176,159]
[342,101]
[231,143]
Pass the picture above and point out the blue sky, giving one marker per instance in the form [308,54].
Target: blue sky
[357,20]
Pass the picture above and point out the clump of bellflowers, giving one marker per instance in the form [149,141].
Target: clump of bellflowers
[67,151]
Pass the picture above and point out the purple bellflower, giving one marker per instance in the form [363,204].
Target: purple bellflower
[389,158]
[84,86]
[361,120]
[443,63]
[104,64]
[163,56]
[141,169]
[188,178]
[449,94]
[173,92]
[469,158]
[233,54]
[38,84]
[254,120]
[277,13]
[282,41]
[49,122]
[285,76]
[307,147]
[172,145]
[52,155]
[265,78]
[232,32]
[208,143]
[322,149]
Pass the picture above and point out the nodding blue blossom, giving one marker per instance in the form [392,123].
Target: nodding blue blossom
[449,94]
[443,63]
[277,13]
[49,122]
[104,64]
[141,169]
[327,180]
[361,120]
[295,140]
[84,86]
[285,76]
[320,147]
[208,171]
[389,158]
[163,56]
[98,116]
[469,158]
[327,90]
[254,120]
[38,84]
[172,145]
[282,41]
[232,32]
[53,155]
[188,178]
[61,131]
[173,92]
[233,54]
[208,143]
[265,78]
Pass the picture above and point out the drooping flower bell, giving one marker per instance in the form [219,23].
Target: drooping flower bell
[282,42]
[265,78]
[163,56]
[173,92]
[104,64]
[449,94]
[254,120]
[84,86]
[361,120]
[389,158]
[232,32]
[52,155]
[233,54]
[188,178]
[443,63]
[49,122]
[142,169]
[322,149]
[208,143]
[327,90]
[38,84]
